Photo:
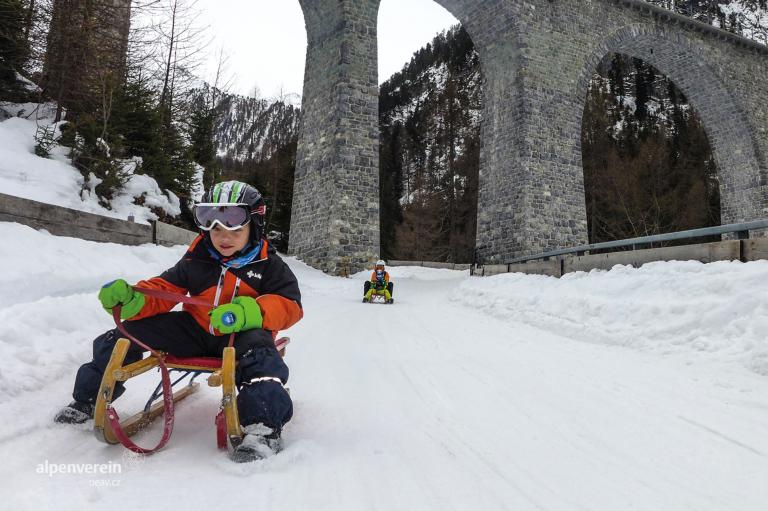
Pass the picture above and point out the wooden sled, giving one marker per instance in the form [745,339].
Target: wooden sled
[376,297]
[221,374]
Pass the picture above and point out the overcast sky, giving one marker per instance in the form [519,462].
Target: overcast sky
[266,39]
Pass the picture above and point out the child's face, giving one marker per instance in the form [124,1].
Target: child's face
[229,242]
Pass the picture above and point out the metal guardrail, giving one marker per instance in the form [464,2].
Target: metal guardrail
[742,230]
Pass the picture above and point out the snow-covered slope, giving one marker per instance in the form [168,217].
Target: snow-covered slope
[55,181]
[467,393]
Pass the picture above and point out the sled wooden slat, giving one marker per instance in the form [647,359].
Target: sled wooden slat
[107,388]
[135,369]
[139,421]
[229,399]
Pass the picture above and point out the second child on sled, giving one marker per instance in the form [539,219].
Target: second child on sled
[379,284]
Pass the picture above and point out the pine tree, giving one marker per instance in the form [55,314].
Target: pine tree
[14,49]
[201,130]
[86,56]
[136,118]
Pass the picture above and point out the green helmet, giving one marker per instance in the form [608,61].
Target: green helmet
[242,194]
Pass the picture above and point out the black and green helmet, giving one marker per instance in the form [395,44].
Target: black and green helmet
[237,193]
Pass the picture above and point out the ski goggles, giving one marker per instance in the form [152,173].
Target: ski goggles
[230,216]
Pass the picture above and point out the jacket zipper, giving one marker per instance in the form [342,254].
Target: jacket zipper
[219,287]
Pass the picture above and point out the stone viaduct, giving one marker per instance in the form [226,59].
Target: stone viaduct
[538,57]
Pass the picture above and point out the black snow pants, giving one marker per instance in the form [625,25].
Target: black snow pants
[263,401]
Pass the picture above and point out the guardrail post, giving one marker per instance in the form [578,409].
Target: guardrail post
[153,223]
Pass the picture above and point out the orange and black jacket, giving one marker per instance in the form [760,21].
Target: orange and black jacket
[201,275]
[375,278]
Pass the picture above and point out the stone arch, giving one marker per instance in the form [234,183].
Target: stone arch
[537,58]
[742,167]
[337,155]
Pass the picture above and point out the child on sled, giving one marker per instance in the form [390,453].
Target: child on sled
[254,294]
[379,284]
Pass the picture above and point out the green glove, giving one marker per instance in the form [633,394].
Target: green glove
[119,292]
[243,313]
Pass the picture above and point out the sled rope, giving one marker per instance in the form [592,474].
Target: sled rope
[114,418]
[168,415]
[171,297]
[178,298]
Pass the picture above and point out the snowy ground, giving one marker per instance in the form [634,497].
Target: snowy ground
[631,389]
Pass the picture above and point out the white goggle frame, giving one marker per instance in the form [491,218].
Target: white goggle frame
[215,221]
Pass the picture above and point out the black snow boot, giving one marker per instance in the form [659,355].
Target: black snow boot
[75,412]
[258,443]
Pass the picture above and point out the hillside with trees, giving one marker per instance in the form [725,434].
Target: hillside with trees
[124,76]
[429,116]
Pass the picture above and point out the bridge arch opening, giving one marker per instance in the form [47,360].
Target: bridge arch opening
[429,122]
[649,167]
[735,152]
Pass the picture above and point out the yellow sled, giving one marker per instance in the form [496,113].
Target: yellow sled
[378,295]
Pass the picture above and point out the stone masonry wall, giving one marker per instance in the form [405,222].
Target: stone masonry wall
[537,58]
[531,190]
[335,219]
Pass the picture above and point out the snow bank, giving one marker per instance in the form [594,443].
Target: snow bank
[142,186]
[24,174]
[56,181]
[318,283]
[48,305]
[719,310]
[420,273]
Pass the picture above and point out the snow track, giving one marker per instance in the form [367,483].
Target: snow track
[426,404]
